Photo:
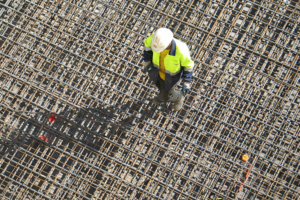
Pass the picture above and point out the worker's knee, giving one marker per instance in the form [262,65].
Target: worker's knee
[163,96]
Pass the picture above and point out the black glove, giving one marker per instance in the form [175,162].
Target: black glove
[186,88]
[147,67]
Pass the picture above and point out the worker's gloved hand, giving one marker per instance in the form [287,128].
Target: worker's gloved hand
[186,88]
[147,67]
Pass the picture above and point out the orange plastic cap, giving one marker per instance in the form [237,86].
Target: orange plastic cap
[245,157]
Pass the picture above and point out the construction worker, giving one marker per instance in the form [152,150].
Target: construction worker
[167,61]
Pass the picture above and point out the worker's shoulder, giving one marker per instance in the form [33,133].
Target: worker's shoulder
[150,36]
[182,46]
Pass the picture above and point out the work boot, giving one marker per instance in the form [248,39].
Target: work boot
[157,101]
[178,105]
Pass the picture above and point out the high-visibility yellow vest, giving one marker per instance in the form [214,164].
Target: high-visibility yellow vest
[178,63]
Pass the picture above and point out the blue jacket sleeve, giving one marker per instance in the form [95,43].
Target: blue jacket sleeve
[187,65]
[186,76]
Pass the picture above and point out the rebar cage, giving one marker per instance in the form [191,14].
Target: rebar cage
[71,73]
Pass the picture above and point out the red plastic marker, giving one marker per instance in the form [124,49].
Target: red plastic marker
[52,118]
[42,137]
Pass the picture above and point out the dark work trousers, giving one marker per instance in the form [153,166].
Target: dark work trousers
[171,95]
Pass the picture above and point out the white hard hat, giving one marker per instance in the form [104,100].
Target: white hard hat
[161,39]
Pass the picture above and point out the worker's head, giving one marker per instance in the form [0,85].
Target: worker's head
[161,39]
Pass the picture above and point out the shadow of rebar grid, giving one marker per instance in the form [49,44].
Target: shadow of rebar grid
[70,72]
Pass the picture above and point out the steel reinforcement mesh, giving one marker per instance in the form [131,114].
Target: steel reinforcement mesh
[77,120]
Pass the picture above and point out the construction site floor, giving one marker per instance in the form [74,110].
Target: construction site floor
[77,120]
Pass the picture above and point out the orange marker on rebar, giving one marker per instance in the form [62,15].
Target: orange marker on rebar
[245,157]
[244,180]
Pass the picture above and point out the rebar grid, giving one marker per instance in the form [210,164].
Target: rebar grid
[81,60]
